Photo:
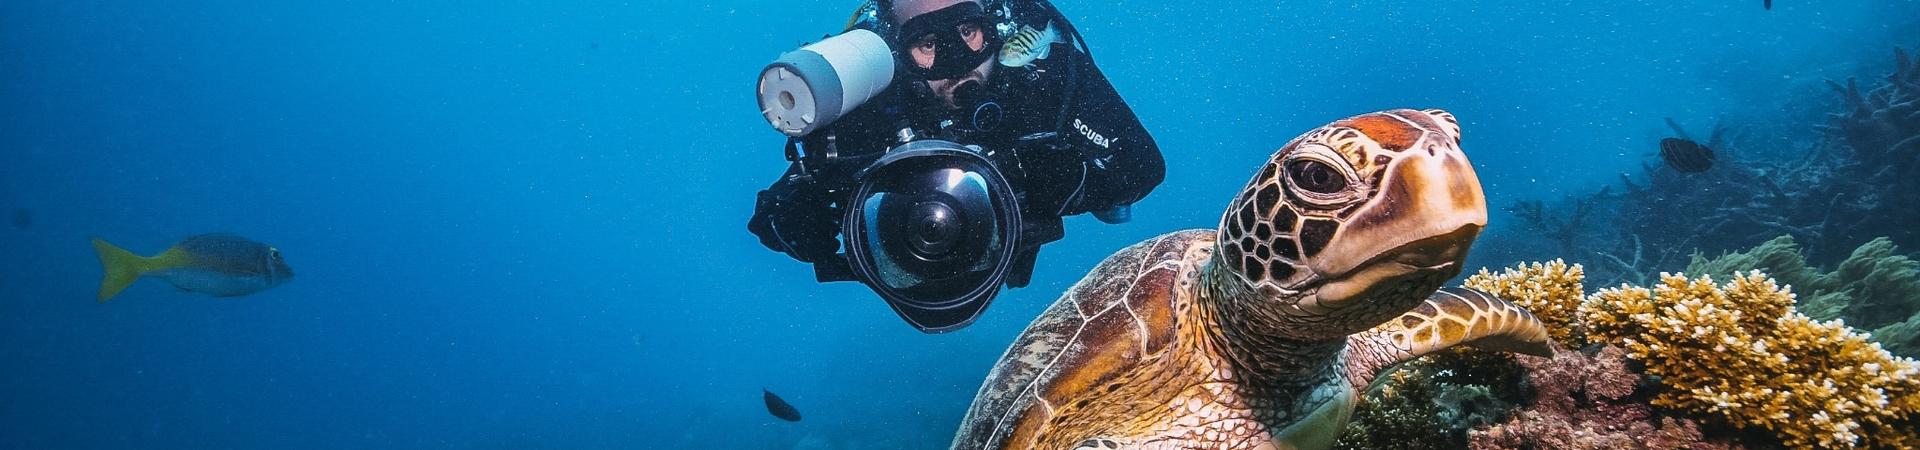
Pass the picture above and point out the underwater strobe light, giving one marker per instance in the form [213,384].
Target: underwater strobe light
[808,88]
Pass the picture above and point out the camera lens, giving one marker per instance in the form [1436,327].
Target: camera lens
[932,225]
[938,228]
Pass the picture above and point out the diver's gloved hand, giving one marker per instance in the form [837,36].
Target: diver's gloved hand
[795,228]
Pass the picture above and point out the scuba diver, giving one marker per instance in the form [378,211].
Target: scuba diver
[942,141]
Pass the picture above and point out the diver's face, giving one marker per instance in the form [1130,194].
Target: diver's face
[923,50]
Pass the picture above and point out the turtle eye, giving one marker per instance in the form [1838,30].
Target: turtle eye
[1318,176]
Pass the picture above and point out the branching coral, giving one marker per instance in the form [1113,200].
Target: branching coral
[1583,401]
[1566,228]
[1818,292]
[1551,291]
[1883,125]
[1874,288]
[1740,352]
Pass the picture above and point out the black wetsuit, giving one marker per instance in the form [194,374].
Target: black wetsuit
[1069,146]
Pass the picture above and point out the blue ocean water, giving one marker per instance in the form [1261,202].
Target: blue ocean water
[521,224]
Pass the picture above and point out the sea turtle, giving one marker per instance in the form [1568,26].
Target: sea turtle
[1325,271]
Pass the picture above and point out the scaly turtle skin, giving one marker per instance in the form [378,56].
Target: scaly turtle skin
[1261,335]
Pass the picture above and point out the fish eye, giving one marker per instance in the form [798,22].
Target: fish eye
[1317,176]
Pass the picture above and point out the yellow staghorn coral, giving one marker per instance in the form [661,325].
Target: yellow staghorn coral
[1741,352]
[1550,290]
[1875,288]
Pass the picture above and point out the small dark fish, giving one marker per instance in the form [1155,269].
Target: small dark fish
[1769,4]
[22,218]
[1685,155]
[780,408]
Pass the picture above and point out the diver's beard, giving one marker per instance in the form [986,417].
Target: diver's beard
[946,89]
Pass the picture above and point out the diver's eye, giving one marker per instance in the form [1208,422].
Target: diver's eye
[970,33]
[923,52]
[1316,177]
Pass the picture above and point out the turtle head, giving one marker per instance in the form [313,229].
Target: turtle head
[1351,224]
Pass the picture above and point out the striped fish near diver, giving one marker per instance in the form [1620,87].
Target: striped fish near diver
[221,265]
[1029,44]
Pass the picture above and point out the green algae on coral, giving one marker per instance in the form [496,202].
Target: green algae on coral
[1400,415]
[1432,402]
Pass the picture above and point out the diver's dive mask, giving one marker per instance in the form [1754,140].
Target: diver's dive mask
[948,42]
[933,228]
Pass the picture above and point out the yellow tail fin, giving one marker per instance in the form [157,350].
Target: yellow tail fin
[122,267]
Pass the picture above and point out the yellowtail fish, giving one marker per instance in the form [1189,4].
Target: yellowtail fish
[221,265]
[1028,45]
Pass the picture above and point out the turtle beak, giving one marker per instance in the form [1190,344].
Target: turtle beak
[1429,210]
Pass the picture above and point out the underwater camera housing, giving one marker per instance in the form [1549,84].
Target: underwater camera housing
[933,228]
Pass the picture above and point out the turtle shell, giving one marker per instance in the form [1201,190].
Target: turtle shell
[1119,315]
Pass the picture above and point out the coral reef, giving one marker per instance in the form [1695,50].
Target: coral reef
[1740,353]
[1585,400]
[1684,363]
[1875,288]
[1721,360]
[1859,178]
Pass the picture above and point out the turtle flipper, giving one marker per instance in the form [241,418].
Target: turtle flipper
[1447,318]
